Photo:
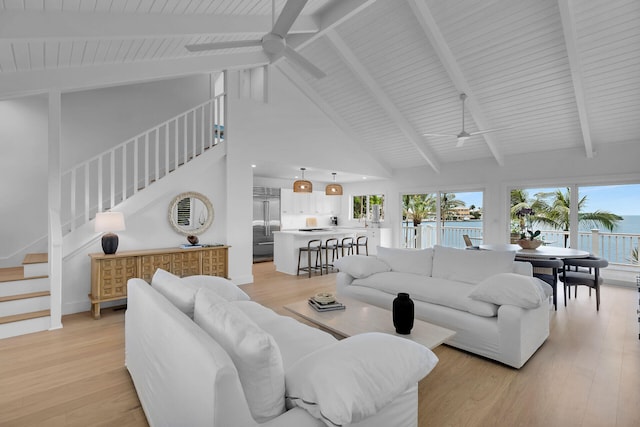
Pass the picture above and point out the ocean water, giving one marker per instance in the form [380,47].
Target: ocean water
[629,225]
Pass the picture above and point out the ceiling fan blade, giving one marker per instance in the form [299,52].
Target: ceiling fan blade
[223,45]
[480,132]
[295,57]
[438,134]
[288,16]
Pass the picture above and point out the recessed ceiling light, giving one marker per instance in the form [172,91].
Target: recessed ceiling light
[253,166]
[364,177]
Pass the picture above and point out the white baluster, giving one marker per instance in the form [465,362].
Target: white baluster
[73,199]
[87,198]
[112,187]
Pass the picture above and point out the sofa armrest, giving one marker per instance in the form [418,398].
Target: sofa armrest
[521,332]
[342,281]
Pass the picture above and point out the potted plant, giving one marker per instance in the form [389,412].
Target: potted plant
[528,237]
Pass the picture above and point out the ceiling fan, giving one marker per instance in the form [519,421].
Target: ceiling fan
[273,43]
[464,135]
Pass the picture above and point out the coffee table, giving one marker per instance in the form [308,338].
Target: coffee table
[359,317]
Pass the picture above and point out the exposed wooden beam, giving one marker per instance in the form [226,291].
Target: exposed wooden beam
[90,77]
[363,75]
[29,25]
[571,42]
[431,29]
[294,77]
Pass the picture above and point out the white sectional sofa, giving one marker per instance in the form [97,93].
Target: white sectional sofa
[200,353]
[496,307]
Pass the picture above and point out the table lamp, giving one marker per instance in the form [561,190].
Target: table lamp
[109,222]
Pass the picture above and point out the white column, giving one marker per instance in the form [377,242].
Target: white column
[573,217]
[239,206]
[55,232]
[595,241]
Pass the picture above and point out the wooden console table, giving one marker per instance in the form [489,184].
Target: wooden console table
[109,273]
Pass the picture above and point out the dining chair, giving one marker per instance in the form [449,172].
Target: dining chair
[547,270]
[588,276]
[467,240]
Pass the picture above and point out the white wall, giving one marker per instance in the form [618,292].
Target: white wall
[92,122]
[23,173]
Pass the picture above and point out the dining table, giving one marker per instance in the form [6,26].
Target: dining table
[542,252]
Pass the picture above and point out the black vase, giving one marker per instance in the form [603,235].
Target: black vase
[403,313]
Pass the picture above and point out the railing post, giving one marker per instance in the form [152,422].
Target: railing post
[419,237]
[595,241]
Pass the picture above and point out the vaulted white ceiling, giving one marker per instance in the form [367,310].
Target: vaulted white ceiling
[558,74]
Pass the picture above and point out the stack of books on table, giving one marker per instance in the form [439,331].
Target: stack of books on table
[334,305]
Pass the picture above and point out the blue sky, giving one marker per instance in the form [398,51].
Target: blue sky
[619,199]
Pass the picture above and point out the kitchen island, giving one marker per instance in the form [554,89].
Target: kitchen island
[287,242]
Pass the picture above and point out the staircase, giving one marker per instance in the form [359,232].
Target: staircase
[99,184]
[25,297]
[110,178]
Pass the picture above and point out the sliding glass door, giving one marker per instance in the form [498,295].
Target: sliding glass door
[441,218]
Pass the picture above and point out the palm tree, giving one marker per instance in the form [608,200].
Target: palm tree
[417,207]
[556,213]
[448,203]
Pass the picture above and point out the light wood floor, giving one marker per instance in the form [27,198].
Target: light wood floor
[586,374]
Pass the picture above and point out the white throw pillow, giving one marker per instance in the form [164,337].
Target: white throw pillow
[360,266]
[511,289]
[223,287]
[181,294]
[470,266]
[354,378]
[254,353]
[416,261]
[182,291]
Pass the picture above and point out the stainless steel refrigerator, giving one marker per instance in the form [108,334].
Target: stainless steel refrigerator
[266,220]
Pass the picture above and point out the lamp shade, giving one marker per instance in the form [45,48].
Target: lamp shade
[333,189]
[302,185]
[109,221]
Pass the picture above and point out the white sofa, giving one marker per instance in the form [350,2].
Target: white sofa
[496,307]
[186,377]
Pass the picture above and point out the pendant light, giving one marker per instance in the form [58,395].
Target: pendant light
[333,189]
[302,185]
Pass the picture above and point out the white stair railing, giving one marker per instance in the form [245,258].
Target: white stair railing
[110,178]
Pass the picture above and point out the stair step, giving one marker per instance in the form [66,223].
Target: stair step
[36,265]
[24,286]
[24,316]
[26,323]
[25,305]
[11,274]
[25,296]
[41,258]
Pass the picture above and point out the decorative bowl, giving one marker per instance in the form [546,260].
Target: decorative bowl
[529,244]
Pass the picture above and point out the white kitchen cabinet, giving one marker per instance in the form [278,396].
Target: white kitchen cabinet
[316,203]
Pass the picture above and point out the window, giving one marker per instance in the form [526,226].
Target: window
[441,218]
[364,207]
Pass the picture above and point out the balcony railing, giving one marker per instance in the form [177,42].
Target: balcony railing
[617,248]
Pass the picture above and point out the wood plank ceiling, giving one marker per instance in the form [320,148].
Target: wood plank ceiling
[558,74]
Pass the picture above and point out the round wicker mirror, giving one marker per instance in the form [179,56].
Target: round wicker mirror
[190,213]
